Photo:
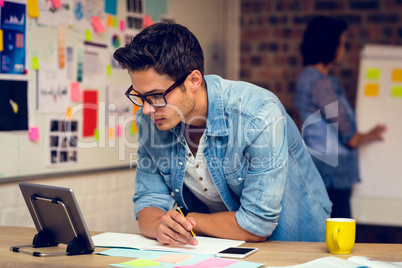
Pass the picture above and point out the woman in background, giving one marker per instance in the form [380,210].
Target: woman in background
[329,123]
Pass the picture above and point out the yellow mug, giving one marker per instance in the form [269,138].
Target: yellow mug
[340,235]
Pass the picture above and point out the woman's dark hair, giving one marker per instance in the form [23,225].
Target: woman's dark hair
[169,48]
[321,40]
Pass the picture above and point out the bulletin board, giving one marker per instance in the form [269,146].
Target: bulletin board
[380,101]
[62,101]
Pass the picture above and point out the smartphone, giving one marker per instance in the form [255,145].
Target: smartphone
[236,252]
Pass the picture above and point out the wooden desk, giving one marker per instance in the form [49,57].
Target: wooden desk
[270,253]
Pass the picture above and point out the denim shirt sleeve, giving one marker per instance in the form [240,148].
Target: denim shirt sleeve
[150,187]
[264,185]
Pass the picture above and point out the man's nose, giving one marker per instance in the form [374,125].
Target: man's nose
[148,108]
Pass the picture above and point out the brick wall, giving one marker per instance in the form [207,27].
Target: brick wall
[272,30]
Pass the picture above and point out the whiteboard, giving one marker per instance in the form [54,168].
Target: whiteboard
[379,100]
[22,157]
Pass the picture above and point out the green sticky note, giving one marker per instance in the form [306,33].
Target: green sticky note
[35,63]
[109,70]
[396,91]
[88,36]
[96,134]
[115,22]
[141,263]
[373,73]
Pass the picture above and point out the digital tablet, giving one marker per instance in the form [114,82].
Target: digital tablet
[56,210]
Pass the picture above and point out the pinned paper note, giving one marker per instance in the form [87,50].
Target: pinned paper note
[88,35]
[371,90]
[33,8]
[147,21]
[396,91]
[373,73]
[109,20]
[111,7]
[33,133]
[35,63]
[69,113]
[2,3]
[141,263]
[122,25]
[98,25]
[56,3]
[75,91]
[1,40]
[61,46]
[14,106]
[109,70]
[397,75]
[119,131]
[111,132]
[96,134]
[114,23]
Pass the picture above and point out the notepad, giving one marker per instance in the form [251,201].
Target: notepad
[206,245]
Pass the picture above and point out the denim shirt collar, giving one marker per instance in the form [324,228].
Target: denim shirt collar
[216,124]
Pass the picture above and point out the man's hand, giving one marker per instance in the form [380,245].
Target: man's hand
[174,229]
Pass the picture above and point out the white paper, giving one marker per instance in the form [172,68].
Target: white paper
[95,61]
[54,16]
[206,245]
[53,92]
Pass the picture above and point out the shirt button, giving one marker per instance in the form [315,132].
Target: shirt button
[200,178]
[189,154]
[197,166]
[176,190]
[180,163]
[240,179]
[205,189]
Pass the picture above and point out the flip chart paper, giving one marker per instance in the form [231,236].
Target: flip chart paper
[396,91]
[397,75]
[371,90]
[373,73]
[33,8]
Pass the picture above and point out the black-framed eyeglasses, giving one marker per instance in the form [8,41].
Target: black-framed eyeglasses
[157,100]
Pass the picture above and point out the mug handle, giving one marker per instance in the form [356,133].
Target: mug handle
[335,235]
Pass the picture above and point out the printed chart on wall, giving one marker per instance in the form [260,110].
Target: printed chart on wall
[379,101]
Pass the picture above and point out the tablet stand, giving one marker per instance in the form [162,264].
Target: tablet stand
[44,237]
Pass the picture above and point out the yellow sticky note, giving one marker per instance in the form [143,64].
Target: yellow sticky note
[141,263]
[1,40]
[88,36]
[109,70]
[111,132]
[109,20]
[35,63]
[396,91]
[373,73]
[397,75]
[33,8]
[115,22]
[69,113]
[371,90]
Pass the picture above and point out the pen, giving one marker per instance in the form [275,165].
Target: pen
[181,212]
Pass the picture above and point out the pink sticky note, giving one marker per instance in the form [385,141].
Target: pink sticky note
[122,25]
[147,21]
[56,3]
[215,262]
[34,133]
[98,25]
[173,258]
[2,3]
[75,91]
[119,131]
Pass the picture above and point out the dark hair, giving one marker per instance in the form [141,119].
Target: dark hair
[321,40]
[169,48]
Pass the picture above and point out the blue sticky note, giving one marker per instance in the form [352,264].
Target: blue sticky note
[111,7]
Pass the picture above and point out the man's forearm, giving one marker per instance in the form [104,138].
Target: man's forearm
[148,220]
[223,225]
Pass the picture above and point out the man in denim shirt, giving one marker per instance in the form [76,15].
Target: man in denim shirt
[225,151]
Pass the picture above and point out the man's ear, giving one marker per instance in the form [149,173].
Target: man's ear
[195,79]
